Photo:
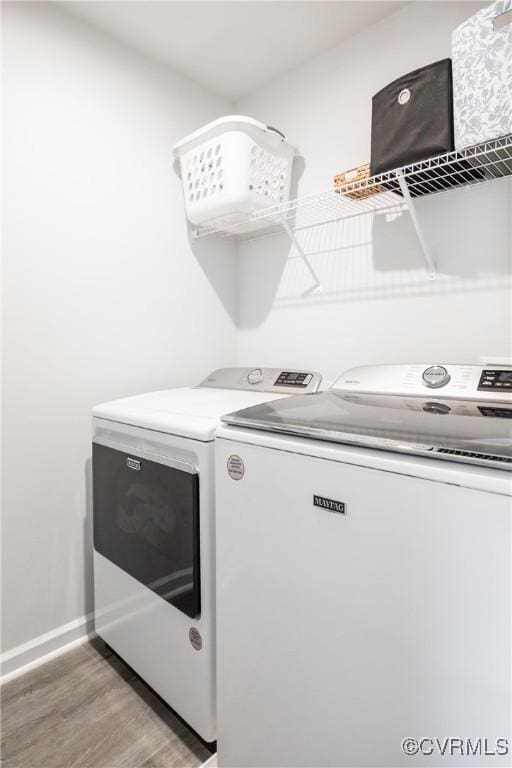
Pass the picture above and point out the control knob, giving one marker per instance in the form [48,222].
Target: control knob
[435,376]
[440,408]
[255,376]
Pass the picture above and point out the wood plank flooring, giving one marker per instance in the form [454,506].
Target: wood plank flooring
[87,709]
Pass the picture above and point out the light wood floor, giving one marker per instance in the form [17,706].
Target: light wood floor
[87,709]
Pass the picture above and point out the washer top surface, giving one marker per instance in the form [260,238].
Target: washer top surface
[195,412]
[458,413]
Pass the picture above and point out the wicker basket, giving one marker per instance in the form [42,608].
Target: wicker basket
[360,173]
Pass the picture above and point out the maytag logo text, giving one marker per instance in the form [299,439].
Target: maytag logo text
[331,504]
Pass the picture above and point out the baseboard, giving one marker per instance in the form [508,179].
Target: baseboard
[41,649]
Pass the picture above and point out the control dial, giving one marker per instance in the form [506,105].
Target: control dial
[435,376]
[440,408]
[255,376]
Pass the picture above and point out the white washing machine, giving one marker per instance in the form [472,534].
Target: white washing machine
[154,529]
[364,573]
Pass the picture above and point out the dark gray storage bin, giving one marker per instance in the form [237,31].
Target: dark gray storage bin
[412,118]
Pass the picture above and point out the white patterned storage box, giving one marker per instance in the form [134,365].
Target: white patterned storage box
[482,75]
[232,168]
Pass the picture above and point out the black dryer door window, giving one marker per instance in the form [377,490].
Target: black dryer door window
[146,521]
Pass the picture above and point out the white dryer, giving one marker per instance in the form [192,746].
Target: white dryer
[364,573]
[154,529]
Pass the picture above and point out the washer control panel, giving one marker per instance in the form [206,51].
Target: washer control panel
[463,382]
[495,378]
[264,380]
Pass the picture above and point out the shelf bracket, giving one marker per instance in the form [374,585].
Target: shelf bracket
[293,238]
[419,233]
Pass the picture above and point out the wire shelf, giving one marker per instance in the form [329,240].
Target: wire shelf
[387,192]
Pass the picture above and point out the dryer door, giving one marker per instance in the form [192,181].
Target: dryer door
[146,520]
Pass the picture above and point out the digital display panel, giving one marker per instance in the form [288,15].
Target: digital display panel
[495,379]
[293,379]
[499,413]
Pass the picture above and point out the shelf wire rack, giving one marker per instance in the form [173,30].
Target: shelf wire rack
[391,192]
[483,162]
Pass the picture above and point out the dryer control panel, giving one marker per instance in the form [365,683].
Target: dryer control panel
[276,380]
[464,382]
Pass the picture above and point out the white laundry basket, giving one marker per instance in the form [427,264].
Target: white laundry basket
[232,168]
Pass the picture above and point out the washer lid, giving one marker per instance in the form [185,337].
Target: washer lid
[192,412]
[477,432]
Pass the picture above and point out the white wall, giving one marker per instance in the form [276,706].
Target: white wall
[375,304]
[103,296]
